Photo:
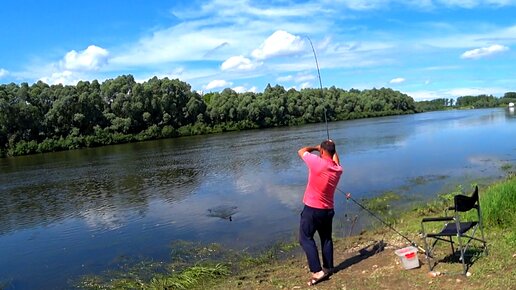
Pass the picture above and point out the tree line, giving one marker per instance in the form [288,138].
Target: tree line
[466,102]
[42,117]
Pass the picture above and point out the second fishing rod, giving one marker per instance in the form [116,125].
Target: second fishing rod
[348,197]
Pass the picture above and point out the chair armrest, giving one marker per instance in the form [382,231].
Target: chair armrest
[437,219]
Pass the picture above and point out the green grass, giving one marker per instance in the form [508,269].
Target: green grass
[381,205]
[193,276]
[272,253]
[498,204]
[189,278]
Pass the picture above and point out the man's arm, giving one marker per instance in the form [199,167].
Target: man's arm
[308,149]
[336,158]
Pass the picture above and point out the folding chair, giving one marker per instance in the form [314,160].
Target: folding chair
[454,227]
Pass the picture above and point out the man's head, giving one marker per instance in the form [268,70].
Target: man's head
[329,147]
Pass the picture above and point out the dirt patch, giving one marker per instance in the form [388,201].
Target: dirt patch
[362,265]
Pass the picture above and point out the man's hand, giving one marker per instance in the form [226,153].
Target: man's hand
[308,149]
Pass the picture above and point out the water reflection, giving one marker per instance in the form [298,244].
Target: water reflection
[105,193]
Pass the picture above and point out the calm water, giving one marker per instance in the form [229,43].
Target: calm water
[71,213]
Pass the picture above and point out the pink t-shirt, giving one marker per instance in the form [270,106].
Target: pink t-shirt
[323,177]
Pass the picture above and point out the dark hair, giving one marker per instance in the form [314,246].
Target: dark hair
[328,146]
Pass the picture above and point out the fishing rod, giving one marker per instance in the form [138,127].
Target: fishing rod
[348,197]
[320,85]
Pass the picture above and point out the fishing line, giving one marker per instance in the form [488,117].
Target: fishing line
[320,85]
[348,197]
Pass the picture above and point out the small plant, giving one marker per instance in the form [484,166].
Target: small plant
[506,167]
[382,203]
[188,278]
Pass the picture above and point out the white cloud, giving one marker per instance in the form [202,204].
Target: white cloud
[298,78]
[397,81]
[238,8]
[239,89]
[280,43]
[104,219]
[74,66]
[442,67]
[423,4]
[459,92]
[461,3]
[284,79]
[484,51]
[242,89]
[238,63]
[306,85]
[215,84]
[304,77]
[92,58]
[425,95]
[475,3]
[218,30]
[3,72]
[364,4]
[501,2]
[65,77]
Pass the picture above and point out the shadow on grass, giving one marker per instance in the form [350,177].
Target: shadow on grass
[453,259]
[364,253]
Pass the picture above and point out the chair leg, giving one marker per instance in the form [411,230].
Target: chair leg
[428,252]
[462,250]
[481,225]
[483,239]
[451,244]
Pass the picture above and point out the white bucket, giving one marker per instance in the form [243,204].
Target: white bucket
[408,257]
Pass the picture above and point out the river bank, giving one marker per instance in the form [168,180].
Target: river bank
[365,261]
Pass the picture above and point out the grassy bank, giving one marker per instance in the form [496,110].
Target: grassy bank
[366,261]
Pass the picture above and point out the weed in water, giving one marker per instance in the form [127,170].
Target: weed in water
[420,180]
[506,167]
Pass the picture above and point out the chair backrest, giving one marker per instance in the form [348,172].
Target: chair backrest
[465,203]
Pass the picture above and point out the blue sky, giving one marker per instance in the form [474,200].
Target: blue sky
[427,49]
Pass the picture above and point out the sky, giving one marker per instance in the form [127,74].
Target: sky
[427,49]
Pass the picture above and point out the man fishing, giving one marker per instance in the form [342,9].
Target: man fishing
[324,172]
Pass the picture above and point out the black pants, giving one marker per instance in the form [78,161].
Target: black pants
[320,221]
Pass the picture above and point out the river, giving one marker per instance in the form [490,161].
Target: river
[67,214]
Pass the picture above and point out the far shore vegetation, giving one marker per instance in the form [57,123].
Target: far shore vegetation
[213,267]
[44,118]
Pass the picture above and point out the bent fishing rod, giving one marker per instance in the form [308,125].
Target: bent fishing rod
[348,197]
[320,85]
